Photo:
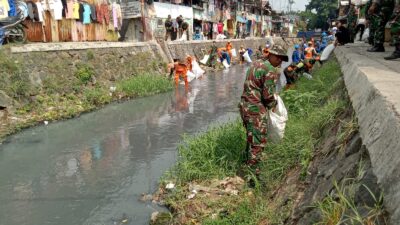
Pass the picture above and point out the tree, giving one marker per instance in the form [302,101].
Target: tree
[324,9]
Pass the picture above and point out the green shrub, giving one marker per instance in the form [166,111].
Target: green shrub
[20,85]
[89,55]
[144,85]
[97,96]
[84,73]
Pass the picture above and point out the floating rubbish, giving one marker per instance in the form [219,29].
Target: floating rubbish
[46,122]
[307,75]
[170,186]
[113,88]
[154,216]
[191,196]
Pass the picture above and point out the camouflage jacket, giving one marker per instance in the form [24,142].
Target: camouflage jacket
[259,88]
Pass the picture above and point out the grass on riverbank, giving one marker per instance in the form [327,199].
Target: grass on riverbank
[68,95]
[218,153]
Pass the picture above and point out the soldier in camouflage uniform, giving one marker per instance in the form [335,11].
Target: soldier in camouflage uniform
[257,99]
[370,22]
[380,12]
[352,22]
[212,60]
[395,31]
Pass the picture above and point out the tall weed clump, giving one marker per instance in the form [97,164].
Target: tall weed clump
[214,154]
[144,85]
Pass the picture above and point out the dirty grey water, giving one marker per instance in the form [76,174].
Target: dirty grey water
[93,169]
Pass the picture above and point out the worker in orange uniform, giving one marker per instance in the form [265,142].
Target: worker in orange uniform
[310,51]
[181,70]
[229,48]
[189,60]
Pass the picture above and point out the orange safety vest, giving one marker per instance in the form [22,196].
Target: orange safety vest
[228,47]
[309,53]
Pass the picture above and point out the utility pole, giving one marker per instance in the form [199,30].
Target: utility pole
[143,21]
[261,17]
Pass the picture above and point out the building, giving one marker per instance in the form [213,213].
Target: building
[142,20]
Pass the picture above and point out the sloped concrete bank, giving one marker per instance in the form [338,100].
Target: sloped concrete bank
[373,88]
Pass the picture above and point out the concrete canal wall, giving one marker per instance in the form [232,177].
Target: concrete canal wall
[43,63]
[373,88]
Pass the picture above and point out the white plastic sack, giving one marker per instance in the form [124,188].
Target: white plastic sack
[365,35]
[205,59]
[234,54]
[220,37]
[190,76]
[327,52]
[247,57]
[308,76]
[277,121]
[197,70]
[183,38]
[225,63]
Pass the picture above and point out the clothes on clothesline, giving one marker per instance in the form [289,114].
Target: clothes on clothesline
[70,9]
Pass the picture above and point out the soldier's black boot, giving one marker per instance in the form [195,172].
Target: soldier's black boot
[395,54]
[377,48]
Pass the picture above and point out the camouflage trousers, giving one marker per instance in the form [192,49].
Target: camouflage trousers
[256,131]
[395,28]
[371,27]
[378,23]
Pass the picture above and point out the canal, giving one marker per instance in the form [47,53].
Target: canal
[94,169]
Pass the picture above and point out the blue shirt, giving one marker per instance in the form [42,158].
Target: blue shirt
[86,13]
[296,58]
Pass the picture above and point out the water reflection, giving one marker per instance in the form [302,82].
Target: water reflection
[93,169]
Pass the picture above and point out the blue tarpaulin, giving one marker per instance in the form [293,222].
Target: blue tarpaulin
[307,34]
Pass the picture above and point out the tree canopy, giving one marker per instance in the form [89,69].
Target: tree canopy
[318,13]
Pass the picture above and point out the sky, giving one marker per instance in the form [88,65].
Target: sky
[281,4]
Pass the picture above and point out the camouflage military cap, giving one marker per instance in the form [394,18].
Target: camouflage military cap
[279,51]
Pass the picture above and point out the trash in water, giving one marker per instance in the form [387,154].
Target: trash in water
[307,75]
[191,196]
[46,122]
[170,186]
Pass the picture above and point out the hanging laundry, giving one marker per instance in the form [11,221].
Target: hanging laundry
[4,8]
[69,11]
[93,14]
[13,10]
[65,7]
[57,7]
[45,4]
[117,15]
[81,10]
[24,8]
[40,11]
[33,11]
[75,10]
[99,14]
[228,14]
[86,14]
[105,12]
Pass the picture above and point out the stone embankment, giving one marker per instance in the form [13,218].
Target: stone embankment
[373,88]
